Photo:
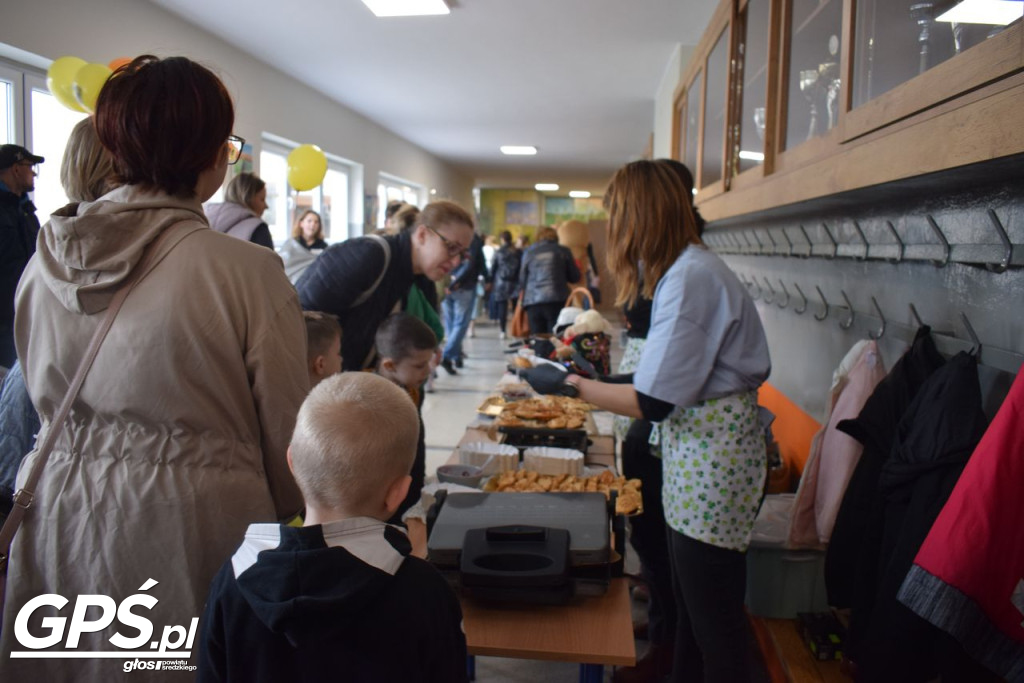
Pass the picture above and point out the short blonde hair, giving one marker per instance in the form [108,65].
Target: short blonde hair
[87,170]
[355,434]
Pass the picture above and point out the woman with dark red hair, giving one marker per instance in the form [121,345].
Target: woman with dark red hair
[177,440]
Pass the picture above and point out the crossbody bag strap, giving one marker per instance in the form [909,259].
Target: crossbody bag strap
[25,495]
[384,271]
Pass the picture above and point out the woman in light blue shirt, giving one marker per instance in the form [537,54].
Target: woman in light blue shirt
[697,379]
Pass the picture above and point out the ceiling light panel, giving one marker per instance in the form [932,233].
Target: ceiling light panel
[579,194]
[987,12]
[407,8]
[546,187]
[518,149]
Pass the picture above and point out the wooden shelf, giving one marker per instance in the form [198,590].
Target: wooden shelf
[787,657]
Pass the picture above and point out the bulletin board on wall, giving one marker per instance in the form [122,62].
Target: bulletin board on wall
[523,212]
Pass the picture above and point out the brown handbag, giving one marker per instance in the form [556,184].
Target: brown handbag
[582,293]
[24,497]
[519,326]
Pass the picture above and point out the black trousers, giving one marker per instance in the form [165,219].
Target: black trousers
[543,317]
[499,312]
[647,533]
[714,641]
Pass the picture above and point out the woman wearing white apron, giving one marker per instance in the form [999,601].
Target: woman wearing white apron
[705,357]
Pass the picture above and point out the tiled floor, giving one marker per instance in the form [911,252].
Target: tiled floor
[445,415]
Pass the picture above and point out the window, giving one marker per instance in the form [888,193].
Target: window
[42,125]
[332,199]
[391,189]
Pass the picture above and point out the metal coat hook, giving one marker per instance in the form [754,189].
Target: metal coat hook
[835,245]
[881,330]
[803,305]
[810,244]
[976,351]
[771,239]
[750,285]
[789,242]
[848,323]
[867,245]
[771,290]
[784,302]
[899,241]
[747,240]
[760,244]
[917,318]
[942,238]
[1005,263]
[824,303]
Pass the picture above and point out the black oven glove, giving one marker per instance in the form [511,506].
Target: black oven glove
[548,379]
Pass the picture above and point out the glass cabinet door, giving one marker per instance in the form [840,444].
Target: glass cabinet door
[753,72]
[693,109]
[813,81]
[715,112]
[899,39]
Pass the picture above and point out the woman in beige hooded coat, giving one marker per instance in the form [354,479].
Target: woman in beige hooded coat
[177,440]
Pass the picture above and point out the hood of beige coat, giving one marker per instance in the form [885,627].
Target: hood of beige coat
[86,250]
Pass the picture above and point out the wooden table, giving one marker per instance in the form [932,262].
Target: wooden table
[594,632]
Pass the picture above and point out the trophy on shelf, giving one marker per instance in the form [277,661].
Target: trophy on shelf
[759,121]
[815,83]
[828,76]
[809,87]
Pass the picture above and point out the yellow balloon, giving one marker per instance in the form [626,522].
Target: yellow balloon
[59,79]
[88,82]
[307,166]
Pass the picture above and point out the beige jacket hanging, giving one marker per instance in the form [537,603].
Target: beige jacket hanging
[177,441]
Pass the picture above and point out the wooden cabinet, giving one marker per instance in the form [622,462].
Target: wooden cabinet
[790,100]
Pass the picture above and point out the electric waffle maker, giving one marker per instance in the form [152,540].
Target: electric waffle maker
[525,547]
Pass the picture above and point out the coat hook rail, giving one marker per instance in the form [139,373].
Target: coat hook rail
[824,303]
[848,323]
[803,305]
[881,316]
[942,238]
[1005,263]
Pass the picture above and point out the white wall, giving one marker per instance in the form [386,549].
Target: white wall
[663,104]
[266,100]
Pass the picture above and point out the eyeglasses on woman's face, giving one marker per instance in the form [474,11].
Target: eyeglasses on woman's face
[453,248]
[235,145]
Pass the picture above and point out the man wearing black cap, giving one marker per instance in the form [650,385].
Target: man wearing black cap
[18,229]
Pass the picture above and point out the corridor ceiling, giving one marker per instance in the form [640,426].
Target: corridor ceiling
[576,78]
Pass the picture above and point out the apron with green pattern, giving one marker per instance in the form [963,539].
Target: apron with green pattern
[713,461]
